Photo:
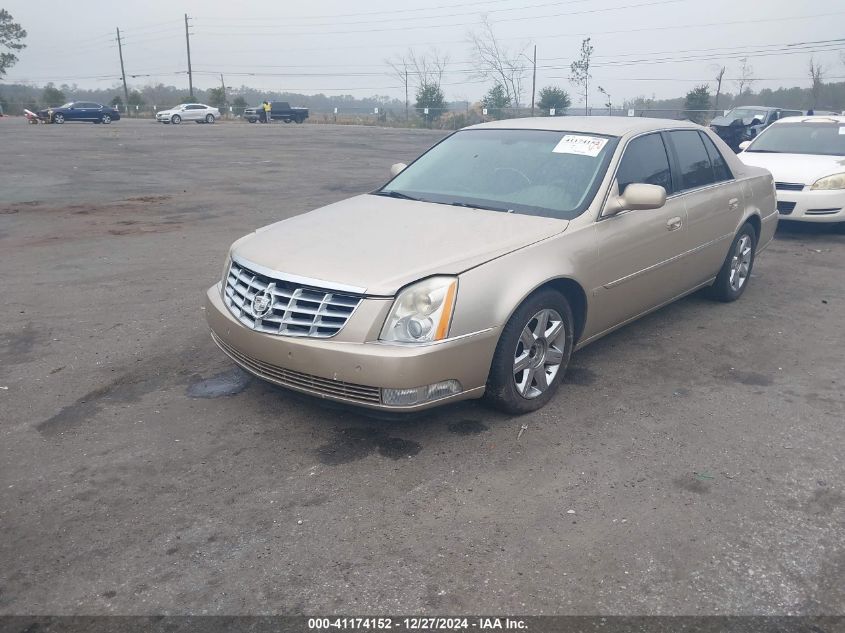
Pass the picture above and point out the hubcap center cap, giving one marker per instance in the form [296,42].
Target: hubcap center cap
[537,353]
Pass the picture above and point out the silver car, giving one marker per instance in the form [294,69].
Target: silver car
[478,269]
[197,112]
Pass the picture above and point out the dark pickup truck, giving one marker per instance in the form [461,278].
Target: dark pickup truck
[279,111]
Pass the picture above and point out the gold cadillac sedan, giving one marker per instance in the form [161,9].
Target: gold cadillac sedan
[480,267]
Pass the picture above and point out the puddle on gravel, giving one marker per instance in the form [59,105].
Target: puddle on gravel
[226,383]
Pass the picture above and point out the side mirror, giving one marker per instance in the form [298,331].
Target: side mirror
[396,169]
[744,145]
[638,196]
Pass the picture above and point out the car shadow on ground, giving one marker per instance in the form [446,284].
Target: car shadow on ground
[792,230]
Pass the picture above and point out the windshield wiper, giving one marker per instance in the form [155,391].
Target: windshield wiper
[395,194]
[764,151]
[480,206]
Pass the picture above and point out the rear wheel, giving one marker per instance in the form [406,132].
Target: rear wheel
[735,274]
[106,118]
[532,354]
[176,119]
[58,118]
[299,120]
[209,118]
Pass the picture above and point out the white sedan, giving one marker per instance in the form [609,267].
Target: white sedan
[197,112]
[806,156]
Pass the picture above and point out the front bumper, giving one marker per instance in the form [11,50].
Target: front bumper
[163,118]
[812,206]
[353,372]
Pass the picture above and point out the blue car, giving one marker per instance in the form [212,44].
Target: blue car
[80,111]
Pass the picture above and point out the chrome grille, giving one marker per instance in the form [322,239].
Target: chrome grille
[293,310]
[300,381]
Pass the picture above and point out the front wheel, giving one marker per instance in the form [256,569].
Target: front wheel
[532,354]
[58,118]
[176,119]
[735,274]
[209,118]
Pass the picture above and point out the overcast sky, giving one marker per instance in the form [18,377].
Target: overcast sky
[642,47]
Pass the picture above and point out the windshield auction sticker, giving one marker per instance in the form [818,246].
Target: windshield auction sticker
[581,145]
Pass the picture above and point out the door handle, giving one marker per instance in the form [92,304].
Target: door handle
[673,224]
[733,204]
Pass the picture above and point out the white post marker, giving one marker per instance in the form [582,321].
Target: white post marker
[551,111]
[335,110]
[375,110]
[631,112]
[425,110]
[484,111]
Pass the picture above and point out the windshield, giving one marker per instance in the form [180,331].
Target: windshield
[533,172]
[827,139]
[67,105]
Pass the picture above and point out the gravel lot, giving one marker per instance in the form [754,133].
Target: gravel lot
[692,465]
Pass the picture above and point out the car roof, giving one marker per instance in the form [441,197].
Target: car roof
[609,125]
[815,118]
[762,108]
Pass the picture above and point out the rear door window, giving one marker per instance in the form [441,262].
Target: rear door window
[645,161]
[694,164]
[721,171]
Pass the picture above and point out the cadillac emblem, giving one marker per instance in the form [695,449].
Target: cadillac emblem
[262,303]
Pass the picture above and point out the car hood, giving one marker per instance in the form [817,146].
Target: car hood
[798,168]
[171,111]
[382,244]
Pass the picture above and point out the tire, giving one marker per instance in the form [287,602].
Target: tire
[286,120]
[58,118]
[209,118]
[299,120]
[253,120]
[519,392]
[105,119]
[175,119]
[735,273]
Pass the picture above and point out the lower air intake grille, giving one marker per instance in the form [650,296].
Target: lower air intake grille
[303,382]
[785,208]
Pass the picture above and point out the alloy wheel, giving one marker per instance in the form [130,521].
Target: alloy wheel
[740,263]
[538,355]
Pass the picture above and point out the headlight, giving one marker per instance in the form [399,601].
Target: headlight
[422,312]
[836,181]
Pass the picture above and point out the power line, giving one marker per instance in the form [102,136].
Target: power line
[452,25]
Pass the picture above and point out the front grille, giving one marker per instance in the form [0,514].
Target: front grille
[785,208]
[291,310]
[303,382]
[789,186]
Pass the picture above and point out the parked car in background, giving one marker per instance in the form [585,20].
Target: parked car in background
[744,123]
[279,111]
[197,112]
[80,111]
[806,156]
[478,269]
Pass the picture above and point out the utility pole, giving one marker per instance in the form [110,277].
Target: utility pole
[122,70]
[190,75]
[534,81]
[406,95]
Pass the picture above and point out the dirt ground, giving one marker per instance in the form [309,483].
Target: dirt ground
[692,464]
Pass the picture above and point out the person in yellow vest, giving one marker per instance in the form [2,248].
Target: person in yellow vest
[267,108]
